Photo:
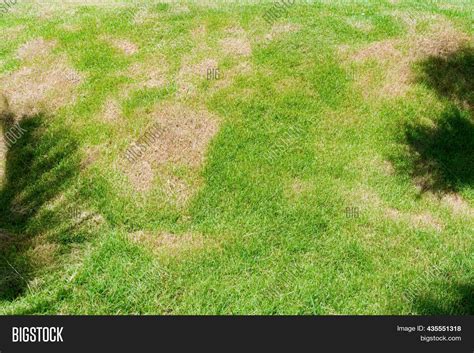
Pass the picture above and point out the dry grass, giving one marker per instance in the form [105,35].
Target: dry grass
[184,135]
[181,139]
[236,43]
[45,83]
[397,57]
[112,111]
[298,188]
[140,175]
[125,46]
[168,243]
[457,205]
[189,74]
[380,51]
[421,220]
[35,48]
[279,29]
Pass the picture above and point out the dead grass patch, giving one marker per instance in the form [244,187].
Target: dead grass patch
[368,198]
[151,72]
[199,32]
[365,196]
[279,29]
[236,43]
[397,57]
[236,46]
[421,220]
[426,220]
[43,255]
[112,111]
[299,188]
[40,87]
[444,40]
[190,74]
[382,50]
[11,33]
[168,243]
[197,70]
[184,135]
[123,45]
[35,49]
[181,136]
[457,205]
[70,27]
[176,189]
[140,175]
[180,9]
[412,19]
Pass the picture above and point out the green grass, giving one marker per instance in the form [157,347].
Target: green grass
[299,143]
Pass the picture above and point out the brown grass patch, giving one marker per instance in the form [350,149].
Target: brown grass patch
[236,43]
[299,188]
[180,8]
[177,190]
[190,74]
[368,198]
[236,46]
[151,72]
[140,175]
[397,57]
[457,205]
[197,70]
[35,49]
[280,29]
[11,33]
[43,255]
[40,87]
[125,46]
[168,243]
[199,32]
[70,27]
[180,139]
[383,50]
[112,111]
[411,19]
[426,220]
[422,220]
[183,135]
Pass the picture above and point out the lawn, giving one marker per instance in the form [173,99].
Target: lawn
[226,158]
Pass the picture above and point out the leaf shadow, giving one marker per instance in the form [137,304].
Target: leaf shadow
[39,165]
[440,156]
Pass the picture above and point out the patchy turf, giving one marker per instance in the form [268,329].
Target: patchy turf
[194,159]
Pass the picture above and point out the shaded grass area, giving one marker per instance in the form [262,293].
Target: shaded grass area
[298,145]
[460,304]
[442,153]
[39,167]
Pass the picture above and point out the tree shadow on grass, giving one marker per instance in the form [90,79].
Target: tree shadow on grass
[39,165]
[451,77]
[441,157]
[461,302]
